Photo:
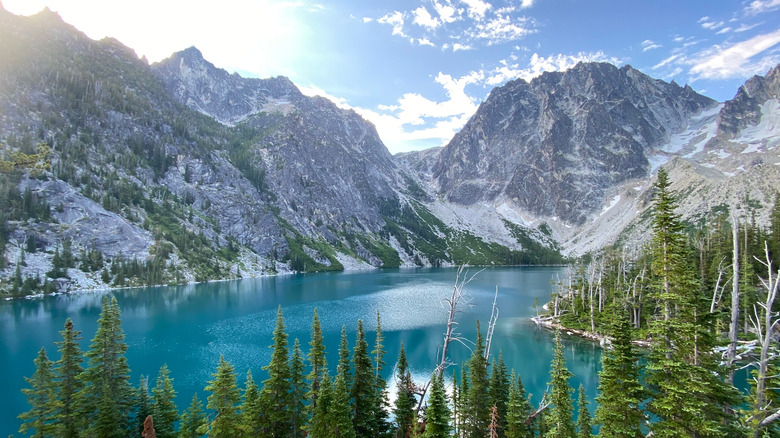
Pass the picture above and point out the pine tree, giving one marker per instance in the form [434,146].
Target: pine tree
[319,426]
[145,403]
[251,409]
[559,416]
[317,362]
[224,399]
[455,403]
[107,398]
[438,412]
[193,420]
[618,410]
[477,409]
[688,395]
[42,397]
[363,394]
[340,414]
[67,371]
[344,366]
[463,400]
[298,393]
[275,395]
[381,424]
[583,417]
[165,412]
[499,392]
[405,400]
[518,410]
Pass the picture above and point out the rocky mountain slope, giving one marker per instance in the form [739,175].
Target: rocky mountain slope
[180,171]
[575,152]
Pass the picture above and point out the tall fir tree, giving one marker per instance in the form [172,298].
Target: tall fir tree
[518,410]
[145,402]
[584,428]
[317,362]
[275,395]
[298,392]
[42,398]
[405,399]
[165,412]
[193,420]
[364,395]
[559,415]
[344,366]
[689,396]
[499,393]
[618,404]
[478,402]
[251,409]
[320,424]
[67,370]
[438,415]
[224,400]
[107,399]
[340,414]
[381,423]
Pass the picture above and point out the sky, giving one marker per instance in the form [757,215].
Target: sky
[418,69]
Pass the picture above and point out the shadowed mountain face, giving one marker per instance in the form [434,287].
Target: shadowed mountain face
[555,145]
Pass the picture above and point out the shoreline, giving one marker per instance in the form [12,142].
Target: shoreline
[551,323]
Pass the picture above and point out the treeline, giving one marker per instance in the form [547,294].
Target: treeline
[703,300]
[90,394]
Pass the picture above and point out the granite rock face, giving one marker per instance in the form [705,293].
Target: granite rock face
[554,146]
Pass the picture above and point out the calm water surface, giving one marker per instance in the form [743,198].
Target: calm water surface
[189,327]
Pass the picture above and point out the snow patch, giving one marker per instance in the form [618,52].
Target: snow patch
[656,161]
[606,208]
[767,127]
[701,128]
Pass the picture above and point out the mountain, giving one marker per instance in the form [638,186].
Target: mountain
[179,171]
[555,146]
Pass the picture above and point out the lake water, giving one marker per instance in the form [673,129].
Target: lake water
[189,327]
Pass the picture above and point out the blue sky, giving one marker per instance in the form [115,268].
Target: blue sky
[418,69]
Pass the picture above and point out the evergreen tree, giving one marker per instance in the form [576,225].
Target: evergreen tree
[381,423]
[251,409]
[688,395]
[438,412]
[275,395]
[67,371]
[583,416]
[224,399]
[499,392]
[317,362]
[145,403]
[559,416]
[42,397]
[363,394]
[620,395]
[477,409]
[319,426]
[165,413]
[455,403]
[298,393]
[193,420]
[405,400]
[340,413]
[518,410]
[107,398]
[463,399]
[344,366]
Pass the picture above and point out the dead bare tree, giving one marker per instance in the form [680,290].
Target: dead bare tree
[731,353]
[491,326]
[765,332]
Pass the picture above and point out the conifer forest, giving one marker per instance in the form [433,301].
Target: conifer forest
[678,318]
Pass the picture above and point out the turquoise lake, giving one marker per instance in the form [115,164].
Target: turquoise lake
[189,327]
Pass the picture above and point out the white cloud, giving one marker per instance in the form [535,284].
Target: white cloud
[425,42]
[313,90]
[395,19]
[447,12]
[737,60]
[477,8]
[650,45]
[540,64]
[760,6]
[724,30]
[712,25]
[459,46]
[423,18]
[367,19]
[666,61]
[501,29]
[526,4]
[746,27]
